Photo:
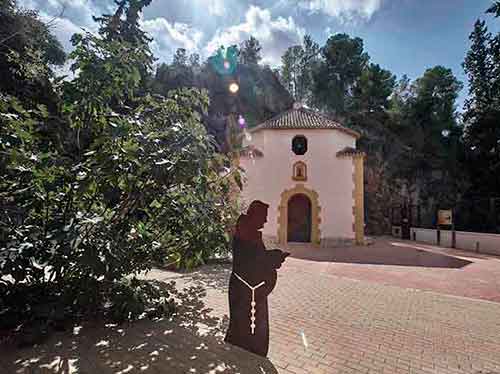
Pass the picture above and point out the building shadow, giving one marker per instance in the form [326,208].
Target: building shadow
[379,254]
[189,342]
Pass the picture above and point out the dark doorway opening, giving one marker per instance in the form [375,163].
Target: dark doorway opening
[299,219]
[406,216]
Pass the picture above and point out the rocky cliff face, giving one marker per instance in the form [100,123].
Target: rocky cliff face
[394,177]
[381,180]
[260,97]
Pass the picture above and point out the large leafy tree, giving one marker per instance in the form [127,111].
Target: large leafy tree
[123,25]
[27,50]
[344,60]
[128,181]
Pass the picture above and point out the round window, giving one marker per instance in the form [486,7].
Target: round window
[299,145]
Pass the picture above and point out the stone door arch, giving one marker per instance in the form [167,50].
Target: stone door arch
[286,195]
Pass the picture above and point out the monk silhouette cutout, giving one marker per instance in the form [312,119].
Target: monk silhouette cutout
[253,278]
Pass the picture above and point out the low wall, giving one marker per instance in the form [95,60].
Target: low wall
[272,242]
[468,241]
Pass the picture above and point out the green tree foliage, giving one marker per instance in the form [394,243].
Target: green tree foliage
[194,61]
[482,65]
[373,89]
[436,92]
[408,155]
[479,66]
[123,25]
[401,95]
[290,70]
[401,123]
[27,49]
[180,57]
[495,9]
[344,60]
[250,52]
[431,112]
[123,181]
[298,65]
[181,73]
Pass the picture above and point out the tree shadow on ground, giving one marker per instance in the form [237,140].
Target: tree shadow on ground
[213,276]
[190,342]
[387,254]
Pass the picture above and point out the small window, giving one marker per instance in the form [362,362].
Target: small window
[299,171]
[299,145]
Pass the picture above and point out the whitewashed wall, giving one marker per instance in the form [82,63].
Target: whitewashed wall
[329,176]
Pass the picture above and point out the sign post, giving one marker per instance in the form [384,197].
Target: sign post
[453,234]
[445,218]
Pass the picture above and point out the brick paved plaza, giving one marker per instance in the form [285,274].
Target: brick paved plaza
[393,307]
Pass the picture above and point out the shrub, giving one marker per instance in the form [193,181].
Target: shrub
[114,182]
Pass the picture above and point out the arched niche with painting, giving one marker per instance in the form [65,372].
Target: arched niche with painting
[299,171]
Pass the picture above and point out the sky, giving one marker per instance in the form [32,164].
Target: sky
[403,36]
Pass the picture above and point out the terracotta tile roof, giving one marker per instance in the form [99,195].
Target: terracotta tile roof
[302,118]
[349,151]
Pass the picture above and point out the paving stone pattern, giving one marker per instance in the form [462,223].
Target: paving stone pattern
[349,326]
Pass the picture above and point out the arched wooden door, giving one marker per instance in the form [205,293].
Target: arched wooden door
[299,219]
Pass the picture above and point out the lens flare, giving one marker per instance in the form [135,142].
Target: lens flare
[241,121]
[234,88]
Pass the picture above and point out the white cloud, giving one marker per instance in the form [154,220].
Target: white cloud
[65,17]
[77,14]
[345,10]
[274,34]
[215,7]
[168,37]
[63,29]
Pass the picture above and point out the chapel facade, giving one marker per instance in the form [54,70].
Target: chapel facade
[307,168]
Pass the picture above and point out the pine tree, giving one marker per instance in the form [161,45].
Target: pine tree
[291,70]
[298,65]
[478,66]
[124,25]
[250,52]
[495,9]
[343,62]
[180,57]
[482,110]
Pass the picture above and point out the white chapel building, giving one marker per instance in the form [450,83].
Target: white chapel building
[307,168]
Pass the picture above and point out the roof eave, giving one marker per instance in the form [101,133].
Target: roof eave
[353,133]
